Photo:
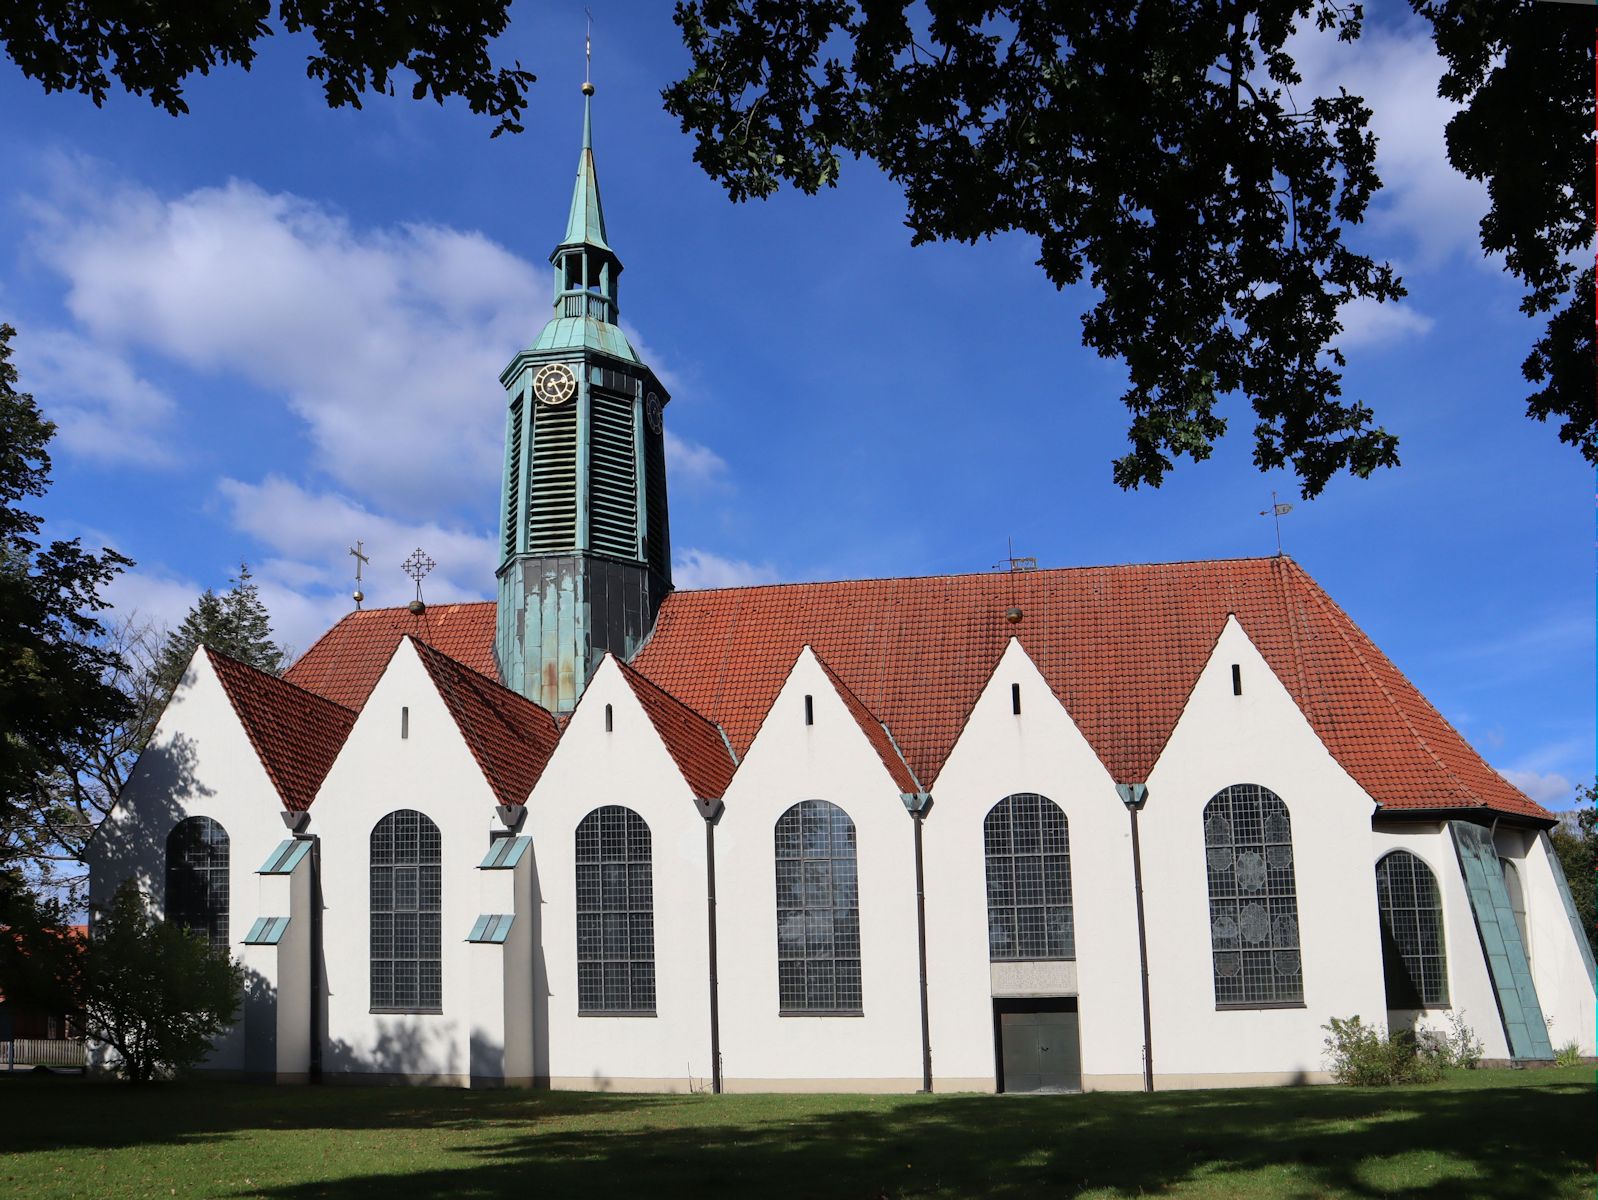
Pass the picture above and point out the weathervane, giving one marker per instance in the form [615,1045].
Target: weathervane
[588,53]
[1278,511]
[360,561]
[417,566]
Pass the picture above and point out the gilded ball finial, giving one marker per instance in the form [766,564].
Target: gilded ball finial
[588,88]
[1012,615]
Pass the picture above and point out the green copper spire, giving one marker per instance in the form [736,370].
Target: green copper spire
[585,226]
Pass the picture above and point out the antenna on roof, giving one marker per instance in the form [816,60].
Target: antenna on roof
[1277,511]
[418,566]
[360,561]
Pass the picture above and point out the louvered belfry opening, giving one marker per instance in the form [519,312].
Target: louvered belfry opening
[513,474]
[613,476]
[552,483]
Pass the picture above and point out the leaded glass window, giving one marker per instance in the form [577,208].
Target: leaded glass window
[818,910]
[1411,909]
[1517,902]
[197,878]
[1028,851]
[615,913]
[1248,853]
[406,896]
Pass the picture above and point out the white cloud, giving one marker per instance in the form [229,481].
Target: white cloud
[386,342]
[1396,68]
[1367,323]
[1550,789]
[693,568]
[151,595]
[692,464]
[102,407]
[308,581]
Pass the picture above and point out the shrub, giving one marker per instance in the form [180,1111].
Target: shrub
[1463,1049]
[155,993]
[1365,1056]
[1568,1055]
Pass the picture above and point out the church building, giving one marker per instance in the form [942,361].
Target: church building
[1121,827]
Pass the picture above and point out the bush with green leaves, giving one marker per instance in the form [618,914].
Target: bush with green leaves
[153,992]
[1366,1056]
[1568,1055]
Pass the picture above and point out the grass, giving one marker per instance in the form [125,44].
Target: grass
[1501,1134]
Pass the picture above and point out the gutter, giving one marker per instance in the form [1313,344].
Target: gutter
[918,803]
[1135,796]
[711,810]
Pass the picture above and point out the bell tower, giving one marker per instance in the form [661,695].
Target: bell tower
[585,554]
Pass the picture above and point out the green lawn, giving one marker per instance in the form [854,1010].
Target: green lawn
[1499,1134]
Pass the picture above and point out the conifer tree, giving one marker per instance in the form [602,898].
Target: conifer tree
[235,623]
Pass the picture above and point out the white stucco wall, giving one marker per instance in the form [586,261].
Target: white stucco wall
[199,763]
[629,766]
[1470,987]
[1259,737]
[831,760]
[377,772]
[1000,753]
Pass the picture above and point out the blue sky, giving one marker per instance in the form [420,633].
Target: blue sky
[267,329]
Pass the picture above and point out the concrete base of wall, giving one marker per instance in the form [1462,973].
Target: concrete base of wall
[890,1085]
[1178,1083]
[620,1083]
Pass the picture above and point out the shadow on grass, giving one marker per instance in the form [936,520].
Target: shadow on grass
[1509,1142]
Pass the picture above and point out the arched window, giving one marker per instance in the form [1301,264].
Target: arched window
[615,913]
[1411,909]
[407,960]
[1248,854]
[1028,850]
[197,878]
[818,911]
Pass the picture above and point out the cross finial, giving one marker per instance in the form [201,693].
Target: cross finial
[417,566]
[360,561]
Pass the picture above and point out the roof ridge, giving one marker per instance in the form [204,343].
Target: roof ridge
[848,694]
[1077,569]
[304,691]
[446,673]
[226,665]
[1320,599]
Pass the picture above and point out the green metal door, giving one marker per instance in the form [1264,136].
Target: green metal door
[1039,1046]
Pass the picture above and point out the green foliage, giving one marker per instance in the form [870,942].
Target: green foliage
[39,960]
[360,48]
[1523,72]
[55,694]
[234,623]
[1568,1055]
[155,993]
[1367,1056]
[1575,841]
[1167,154]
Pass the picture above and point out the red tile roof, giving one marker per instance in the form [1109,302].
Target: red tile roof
[876,732]
[345,662]
[1121,647]
[296,733]
[510,737]
[696,745]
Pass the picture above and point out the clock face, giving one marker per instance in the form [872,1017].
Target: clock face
[554,384]
[652,411]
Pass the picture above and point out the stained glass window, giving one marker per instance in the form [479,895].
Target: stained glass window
[1411,909]
[615,913]
[1028,851]
[406,897]
[1248,853]
[818,911]
[197,878]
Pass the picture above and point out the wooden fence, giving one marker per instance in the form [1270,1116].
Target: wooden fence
[21,1053]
